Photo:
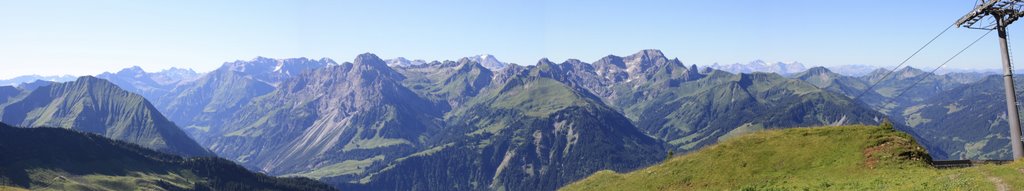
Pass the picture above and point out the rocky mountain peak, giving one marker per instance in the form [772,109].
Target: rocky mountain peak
[90,80]
[853,70]
[463,61]
[273,71]
[900,74]
[648,53]
[818,71]
[486,56]
[404,62]
[693,70]
[467,65]
[369,59]
[174,75]
[611,61]
[178,70]
[368,62]
[132,70]
[509,72]
[878,71]
[908,72]
[641,61]
[645,57]
[545,61]
[573,61]
[762,66]
[911,70]
[489,61]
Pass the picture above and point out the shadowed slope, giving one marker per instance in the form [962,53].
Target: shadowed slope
[59,159]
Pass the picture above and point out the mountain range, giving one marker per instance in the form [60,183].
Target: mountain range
[15,81]
[149,85]
[954,115]
[967,122]
[853,70]
[328,115]
[366,125]
[480,124]
[782,68]
[526,131]
[486,60]
[403,62]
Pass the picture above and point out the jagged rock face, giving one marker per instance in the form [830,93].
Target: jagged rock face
[579,75]
[671,101]
[663,97]
[273,71]
[645,68]
[199,106]
[97,106]
[653,66]
[365,125]
[193,101]
[348,112]
[531,132]
[451,82]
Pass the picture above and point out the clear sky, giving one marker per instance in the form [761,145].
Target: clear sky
[90,37]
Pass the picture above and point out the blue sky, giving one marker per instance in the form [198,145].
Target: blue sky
[90,37]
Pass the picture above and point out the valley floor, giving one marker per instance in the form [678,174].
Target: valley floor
[825,158]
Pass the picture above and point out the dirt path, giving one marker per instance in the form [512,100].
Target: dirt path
[1000,184]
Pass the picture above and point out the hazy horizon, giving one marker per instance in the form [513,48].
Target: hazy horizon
[88,38]
[807,65]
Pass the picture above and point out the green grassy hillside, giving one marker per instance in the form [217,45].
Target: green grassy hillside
[828,158]
[94,105]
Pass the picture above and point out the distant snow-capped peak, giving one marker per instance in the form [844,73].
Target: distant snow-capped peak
[853,70]
[402,61]
[762,66]
[288,66]
[488,61]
